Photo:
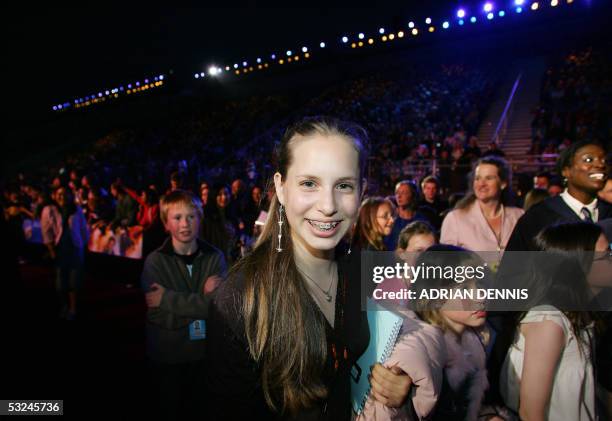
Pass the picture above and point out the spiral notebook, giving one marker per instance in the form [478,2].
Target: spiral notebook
[384,326]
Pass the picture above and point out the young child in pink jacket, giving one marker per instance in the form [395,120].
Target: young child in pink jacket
[441,347]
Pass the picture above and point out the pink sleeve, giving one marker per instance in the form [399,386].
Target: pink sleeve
[448,233]
[424,365]
[424,368]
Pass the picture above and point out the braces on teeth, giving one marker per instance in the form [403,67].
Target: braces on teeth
[324,226]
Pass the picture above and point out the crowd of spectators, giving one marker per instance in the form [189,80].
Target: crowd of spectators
[421,121]
[574,103]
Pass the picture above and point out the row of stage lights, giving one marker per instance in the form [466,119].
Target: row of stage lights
[130,88]
[462,17]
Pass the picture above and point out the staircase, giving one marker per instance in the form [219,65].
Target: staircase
[515,140]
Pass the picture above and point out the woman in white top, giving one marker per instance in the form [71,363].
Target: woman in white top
[548,371]
[483,221]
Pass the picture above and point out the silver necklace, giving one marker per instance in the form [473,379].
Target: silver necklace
[327,294]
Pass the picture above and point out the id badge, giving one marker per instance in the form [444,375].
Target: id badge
[197,330]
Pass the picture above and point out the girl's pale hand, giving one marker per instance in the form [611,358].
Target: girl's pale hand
[390,386]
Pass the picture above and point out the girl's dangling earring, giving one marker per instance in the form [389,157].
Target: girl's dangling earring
[280,228]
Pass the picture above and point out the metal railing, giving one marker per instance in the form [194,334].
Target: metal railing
[502,125]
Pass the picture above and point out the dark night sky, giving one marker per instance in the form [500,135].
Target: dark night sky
[57,54]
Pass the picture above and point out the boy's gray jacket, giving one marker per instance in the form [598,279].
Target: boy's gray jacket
[167,326]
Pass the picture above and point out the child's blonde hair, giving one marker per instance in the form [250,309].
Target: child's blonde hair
[179,197]
[441,255]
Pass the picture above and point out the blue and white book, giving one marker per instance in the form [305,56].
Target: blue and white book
[384,326]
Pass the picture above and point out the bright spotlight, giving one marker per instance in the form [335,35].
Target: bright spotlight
[445,25]
[501,13]
[488,7]
[461,13]
[361,35]
[461,22]
[535,5]
[490,15]
[235,65]
[289,53]
[258,60]
[202,74]
[381,31]
[428,21]
[322,45]
[273,56]
[519,2]
[244,64]
[304,49]
[213,71]
[519,9]
[411,24]
[415,31]
[345,39]
[554,3]
[473,19]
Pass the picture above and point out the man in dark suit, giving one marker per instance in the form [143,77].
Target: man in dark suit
[584,168]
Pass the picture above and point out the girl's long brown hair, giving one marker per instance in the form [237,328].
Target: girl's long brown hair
[366,231]
[284,329]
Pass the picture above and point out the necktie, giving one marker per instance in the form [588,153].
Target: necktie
[587,215]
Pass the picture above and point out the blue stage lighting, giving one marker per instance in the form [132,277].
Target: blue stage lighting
[322,45]
[490,16]
[345,39]
[146,80]
[461,22]
[461,13]
[55,108]
[273,56]
[244,64]
[258,60]
[445,25]
[519,9]
[59,107]
[289,53]
[473,19]
[501,13]
[488,7]
[161,77]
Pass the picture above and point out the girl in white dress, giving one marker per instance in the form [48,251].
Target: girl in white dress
[548,370]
